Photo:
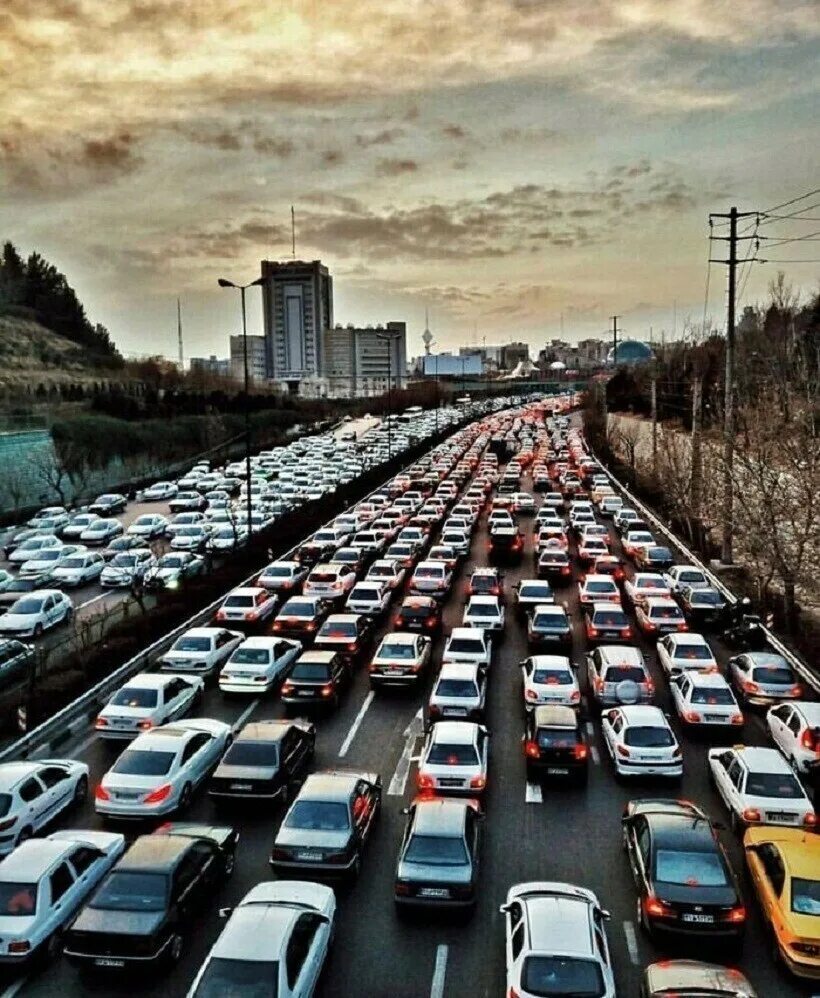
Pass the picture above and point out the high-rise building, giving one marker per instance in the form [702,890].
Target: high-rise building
[257,358]
[297,300]
[221,367]
[360,361]
[513,354]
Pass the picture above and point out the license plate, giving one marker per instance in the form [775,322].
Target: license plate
[394,672]
[123,796]
[311,857]
[700,919]
[557,771]
[102,961]
[449,782]
[433,892]
[713,717]
[779,816]
[305,693]
[610,634]
[241,786]
[455,711]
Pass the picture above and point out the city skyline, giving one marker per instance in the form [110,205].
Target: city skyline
[501,163]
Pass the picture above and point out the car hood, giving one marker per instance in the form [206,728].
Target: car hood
[125,923]
[307,838]
[228,772]
[14,620]
[430,873]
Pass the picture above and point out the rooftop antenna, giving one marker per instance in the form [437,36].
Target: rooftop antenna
[179,336]
[293,232]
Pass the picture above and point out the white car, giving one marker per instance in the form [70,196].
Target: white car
[524,502]
[36,612]
[370,598]
[225,537]
[705,700]
[555,942]
[454,759]
[431,578]
[173,568]
[44,562]
[148,701]
[148,526]
[643,585]
[201,650]
[258,664]
[458,540]
[102,531]
[275,942]
[330,582]
[127,567]
[159,771]
[32,547]
[468,644]
[459,692]
[486,612]
[190,519]
[48,513]
[685,653]
[795,729]
[282,576]
[641,742]
[759,788]
[598,589]
[78,569]
[72,530]
[400,659]
[549,679]
[679,576]
[192,538]
[389,573]
[34,793]
[43,883]
[159,492]
[247,605]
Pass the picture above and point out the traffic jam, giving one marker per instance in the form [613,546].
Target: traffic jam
[480,734]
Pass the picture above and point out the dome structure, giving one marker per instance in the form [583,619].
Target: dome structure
[558,365]
[630,352]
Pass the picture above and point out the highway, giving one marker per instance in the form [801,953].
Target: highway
[530,833]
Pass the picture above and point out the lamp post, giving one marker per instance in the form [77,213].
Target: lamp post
[242,288]
[389,338]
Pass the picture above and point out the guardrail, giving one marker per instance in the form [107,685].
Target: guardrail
[809,675]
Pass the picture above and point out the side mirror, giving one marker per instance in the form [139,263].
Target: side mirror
[504,909]
[225,912]
[405,810]
[605,914]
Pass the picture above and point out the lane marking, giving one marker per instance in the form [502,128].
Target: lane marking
[356,724]
[632,943]
[13,989]
[534,793]
[596,755]
[439,972]
[411,733]
[246,713]
[93,599]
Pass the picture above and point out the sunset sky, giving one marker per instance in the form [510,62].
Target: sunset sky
[498,161]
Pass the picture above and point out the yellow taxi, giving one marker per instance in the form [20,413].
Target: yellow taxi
[784,865]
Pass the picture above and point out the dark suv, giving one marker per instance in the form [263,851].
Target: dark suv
[554,745]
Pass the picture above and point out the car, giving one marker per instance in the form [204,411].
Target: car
[42,519]
[549,626]
[549,679]
[610,565]
[679,577]
[348,633]
[42,885]
[459,692]
[454,759]
[45,562]
[686,888]
[624,517]
[598,589]
[39,611]
[186,500]
[101,531]
[78,569]
[200,536]
[247,605]
[641,742]
[591,548]
[468,644]
[795,729]
[159,771]
[486,612]
[173,568]
[610,505]
[704,609]
[431,578]
[258,664]
[149,902]
[401,659]
[16,588]
[351,558]
[34,546]
[369,598]
[693,977]
[635,540]
[329,582]
[760,677]
[76,525]
[555,566]
[267,761]
[783,870]
[554,745]
[16,661]
[159,492]
[759,788]
[127,568]
[653,558]
[402,553]
[685,653]
[419,613]
[201,650]
[642,585]
[486,582]
[278,937]
[369,542]
[147,701]
[555,942]
[119,544]
[283,576]
[328,825]
[606,622]
[660,615]
[316,680]
[34,793]
[301,617]
[438,861]
[440,552]
[705,700]
[530,593]
[108,504]
[389,573]
[148,526]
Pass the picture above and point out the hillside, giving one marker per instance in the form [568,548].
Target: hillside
[30,353]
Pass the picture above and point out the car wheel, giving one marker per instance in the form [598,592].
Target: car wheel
[53,947]
[81,790]
[38,630]
[184,797]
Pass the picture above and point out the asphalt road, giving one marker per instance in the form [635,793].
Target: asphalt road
[530,834]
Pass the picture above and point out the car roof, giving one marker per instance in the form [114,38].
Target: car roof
[202,632]
[690,638]
[681,830]
[400,637]
[330,785]
[247,591]
[468,632]
[705,678]
[599,578]
[454,732]
[264,731]
[459,670]
[809,710]
[31,859]
[489,600]
[555,716]
[762,760]
[260,641]
[661,602]
[250,923]
[11,773]
[155,852]
[343,618]
[150,680]
[546,661]
[559,924]
[621,655]
[167,738]
[643,713]
[440,816]
[766,658]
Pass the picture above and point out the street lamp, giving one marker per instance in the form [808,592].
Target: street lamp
[389,338]
[242,288]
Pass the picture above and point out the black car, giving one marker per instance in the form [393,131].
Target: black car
[316,680]
[326,827]
[109,504]
[301,617]
[704,609]
[530,593]
[554,745]
[418,613]
[555,566]
[439,856]
[486,582]
[685,884]
[143,910]
[654,558]
[548,626]
[347,633]
[266,761]
[506,541]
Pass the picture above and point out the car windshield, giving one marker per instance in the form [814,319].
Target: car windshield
[775,675]
[620,673]
[536,592]
[436,850]
[239,601]
[548,976]
[250,656]
[247,753]
[644,736]
[694,869]
[317,672]
[124,561]
[73,563]
[131,696]
[777,785]
[318,816]
[192,644]
[456,688]
[397,650]
[713,695]
[466,646]
[806,896]
[224,978]
[18,899]
[123,890]
[136,762]
[691,653]
[610,618]
[552,677]
[429,572]
[601,587]
[27,606]
[442,754]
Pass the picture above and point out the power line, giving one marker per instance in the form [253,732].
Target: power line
[785,204]
[773,241]
[795,216]
[815,260]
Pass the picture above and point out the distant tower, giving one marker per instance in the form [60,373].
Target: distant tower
[426,336]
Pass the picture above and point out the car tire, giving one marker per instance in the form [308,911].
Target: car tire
[38,631]
[52,948]
[81,790]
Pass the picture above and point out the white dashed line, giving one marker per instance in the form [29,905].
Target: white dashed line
[411,733]
[246,713]
[439,972]
[632,943]
[356,723]
[534,794]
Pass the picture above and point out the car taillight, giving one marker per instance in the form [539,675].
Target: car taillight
[565,570]
[575,696]
[750,687]
[430,622]
[220,614]
[530,695]
[145,725]
[102,723]
[352,646]
[433,710]
[796,690]
[478,783]
[622,750]
[287,687]
[736,914]
[683,627]
[692,716]
[19,946]
[649,626]
[279,853]
[159,795]
[580,752]
[751,814]
[599,684]
[810,819]
[425,782]
[810,741]
[310,626]
[101,793]
[327,690]
[654,906]
[531,749]
[625,631]
[401,889]
[592,631]
[277,625]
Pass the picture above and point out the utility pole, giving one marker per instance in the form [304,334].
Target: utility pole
[654,385]
[179,337]
[695,484]
[614,341]
[292,232]
[727,520]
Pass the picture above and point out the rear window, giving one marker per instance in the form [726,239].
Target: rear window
[318,816]
[397,650]
[126,891]
[311,672]
[483,610]
[323,576]
[694,869]
[536,592]
[601,587]
[776,675]
[429,572]
[665,613]
[192,644]
[545,976]
[131,697]
[705,598]
[456,688]
[468,646]
[442,754]
[777,785]
[135,762]
[550,621]
[712,696]
[558,738]
[297,609]
[700,653]
[250,656]
[338,629]
[552,677]
[609,618]
[648,737]
[436,850]
[240,601]
[243,753]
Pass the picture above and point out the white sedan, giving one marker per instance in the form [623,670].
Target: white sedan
[148,526]
[78,569]
[46,561]
[247,605]
[486,612]
[455,759]
[192,538]
[704,700]
[36,612]
[795,729]
[159,492]
[32,547]
[549,679]
[685,653]
[200,650]
[127,567]
[641,742]
[34,793]
[370,598]
[258,664]
[147,701]
[159,771]
[642,585]
[389,573]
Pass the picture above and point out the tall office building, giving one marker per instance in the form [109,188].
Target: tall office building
[360,361]
[298,309]
[257,358]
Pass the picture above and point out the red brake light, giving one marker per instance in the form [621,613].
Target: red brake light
[327,690]
[652,906]
[159,795]
[145,725]
[287,687]
[622,750]
[750,687]
[102,723]
[531,749]
[478,783]
[809,740]
[101,793]
[736,719]
[751,814]
[592,631]
[796,690]
[810,818]
[580,752]
[425,782]
[736,914]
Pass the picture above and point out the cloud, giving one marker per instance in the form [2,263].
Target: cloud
[456,132]
[384,137]
[396,167]
[332,157]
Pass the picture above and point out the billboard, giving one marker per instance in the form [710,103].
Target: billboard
[444,365]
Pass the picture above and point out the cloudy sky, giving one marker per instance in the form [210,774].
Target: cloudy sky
[502,162]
